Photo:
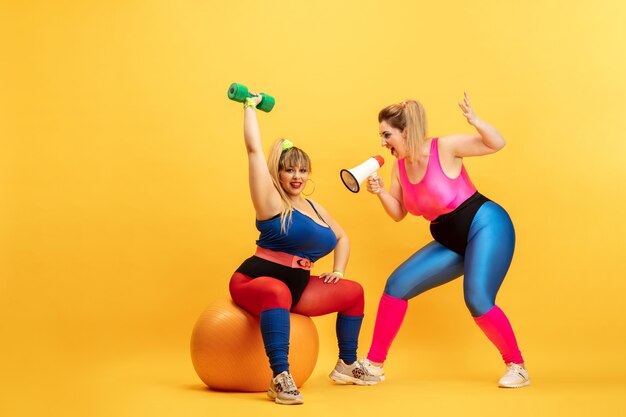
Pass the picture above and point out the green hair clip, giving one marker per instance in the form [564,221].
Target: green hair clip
[287,144]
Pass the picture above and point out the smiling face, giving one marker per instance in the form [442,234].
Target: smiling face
[393,139]
[292,179]
[294,168]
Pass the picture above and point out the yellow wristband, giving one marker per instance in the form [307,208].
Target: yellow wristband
[338,273]
[249,103]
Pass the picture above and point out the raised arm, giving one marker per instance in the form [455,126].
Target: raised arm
[392,199]
[487,141]
[265,197]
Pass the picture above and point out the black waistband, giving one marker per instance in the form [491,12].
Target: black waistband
[452,229]
[476,198]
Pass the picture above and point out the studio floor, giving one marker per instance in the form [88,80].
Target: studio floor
[165,385]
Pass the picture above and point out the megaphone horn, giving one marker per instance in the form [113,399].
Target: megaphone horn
[352,178]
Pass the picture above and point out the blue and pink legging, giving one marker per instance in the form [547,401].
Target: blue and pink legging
[489,251]
[271,300]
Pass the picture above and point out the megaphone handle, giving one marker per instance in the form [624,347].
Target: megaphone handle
[374,175]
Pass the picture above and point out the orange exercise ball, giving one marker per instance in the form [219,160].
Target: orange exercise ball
[228,354]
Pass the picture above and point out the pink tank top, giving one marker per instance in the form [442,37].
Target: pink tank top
[436,193]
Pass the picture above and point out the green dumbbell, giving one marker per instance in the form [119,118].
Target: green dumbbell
[239,92]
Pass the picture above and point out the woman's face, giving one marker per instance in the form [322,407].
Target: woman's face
[393,139]
[293,179]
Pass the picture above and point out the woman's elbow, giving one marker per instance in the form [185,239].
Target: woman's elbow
[494,146]
[398,217]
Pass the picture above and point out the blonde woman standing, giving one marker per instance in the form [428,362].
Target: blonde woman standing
[473,236]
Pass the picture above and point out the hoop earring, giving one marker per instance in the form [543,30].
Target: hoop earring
[312,191]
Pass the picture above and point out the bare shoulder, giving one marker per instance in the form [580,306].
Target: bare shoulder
[317,206]
[326,217]
[454,139]
[446,144]
[460,145]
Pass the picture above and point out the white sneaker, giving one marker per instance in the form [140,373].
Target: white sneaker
[354,373]
[373,369]
[283,390]
[516,376]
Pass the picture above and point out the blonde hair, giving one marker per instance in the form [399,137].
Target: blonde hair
[277,160]
[410,117]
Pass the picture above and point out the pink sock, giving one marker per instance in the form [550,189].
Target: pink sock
[498,329]
[391,312]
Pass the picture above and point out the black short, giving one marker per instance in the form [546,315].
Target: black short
[452,229]
[295,279]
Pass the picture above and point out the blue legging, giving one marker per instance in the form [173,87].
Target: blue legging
[490,246]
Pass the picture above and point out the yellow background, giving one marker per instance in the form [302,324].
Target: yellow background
[124,205]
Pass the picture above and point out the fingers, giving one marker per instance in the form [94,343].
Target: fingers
[330,278]
[374,185]
[256,97]
[466,102]
[466,107]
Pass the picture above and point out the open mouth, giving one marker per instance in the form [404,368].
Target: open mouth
[296,185]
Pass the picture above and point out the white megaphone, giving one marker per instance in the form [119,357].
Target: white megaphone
[352,178]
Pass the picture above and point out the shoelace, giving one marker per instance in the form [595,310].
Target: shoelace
[288,384]
[364,366]
[515,369]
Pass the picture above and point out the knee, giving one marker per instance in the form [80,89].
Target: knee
[478,304]
[355,290]
[394,288]
[356,297]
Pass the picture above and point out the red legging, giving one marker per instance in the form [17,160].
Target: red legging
[264,293]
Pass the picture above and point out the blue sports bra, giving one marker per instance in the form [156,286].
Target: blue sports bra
[304,237]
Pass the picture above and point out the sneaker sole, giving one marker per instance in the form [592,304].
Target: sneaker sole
[523,384]
[274,397]
[341,379]
[289,402]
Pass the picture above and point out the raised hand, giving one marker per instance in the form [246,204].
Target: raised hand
[256,98]
[468,112]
